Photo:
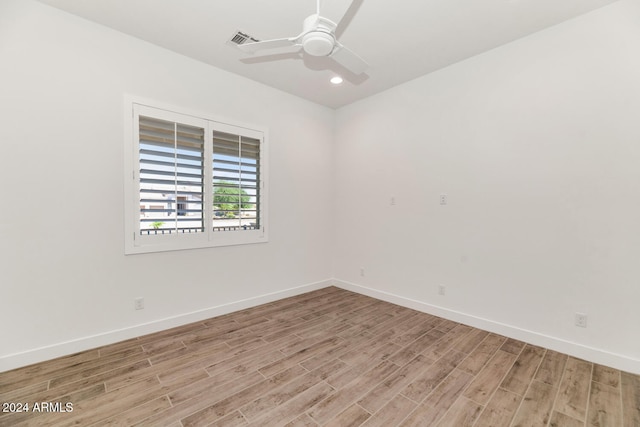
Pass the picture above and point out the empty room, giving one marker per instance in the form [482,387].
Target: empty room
[320,213]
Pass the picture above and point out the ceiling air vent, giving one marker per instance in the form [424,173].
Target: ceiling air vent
[241,38]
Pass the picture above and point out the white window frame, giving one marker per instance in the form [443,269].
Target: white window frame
[136,243]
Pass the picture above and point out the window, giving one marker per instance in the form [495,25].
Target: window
[192,181]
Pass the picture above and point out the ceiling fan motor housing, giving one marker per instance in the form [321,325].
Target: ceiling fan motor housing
[319,39]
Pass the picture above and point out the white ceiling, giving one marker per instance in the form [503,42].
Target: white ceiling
[400,40]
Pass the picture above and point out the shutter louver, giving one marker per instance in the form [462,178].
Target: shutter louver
[171,176]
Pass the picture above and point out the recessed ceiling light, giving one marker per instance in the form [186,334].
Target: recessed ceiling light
[336,80]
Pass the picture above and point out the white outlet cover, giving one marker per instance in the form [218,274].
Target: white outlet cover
[581,320]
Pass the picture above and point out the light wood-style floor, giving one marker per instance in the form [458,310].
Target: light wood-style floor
[326,358]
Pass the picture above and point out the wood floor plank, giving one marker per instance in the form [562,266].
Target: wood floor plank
[512,346]
[418,389]
[416,347]
[232,402]
[94,367]
[231,420]
[184,355]
[604,406]
[352,392]
[190,361]
[573,395]
[481,354]
[299,356]
[487,381]
[523,369]
[438,402]
[445,325]
[354,415]
[558,419]
[424,415]
[174,414]
[447,342]
[415,332]
[387,389]
[303,420]
[29,375]
[360,365]
[108,405]
[302,345]
[163,346]
[392,413]
[288,411]
[380,349]
[24,392]
[214,385]
[325,358]
[73,396]
[551,368]
[536,406]
[471,341]
[463,413]
[335,352]
[500,410]
[256,359]
[277,396]
[138,413]
[630,399]
[331,326]
[449,390]
[606,375]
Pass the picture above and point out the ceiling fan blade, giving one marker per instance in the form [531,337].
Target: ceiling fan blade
[268,44]
[348,59]
[334,10]
[347,17]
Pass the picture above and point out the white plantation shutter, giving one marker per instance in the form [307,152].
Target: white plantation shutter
[171,158]
[236,178]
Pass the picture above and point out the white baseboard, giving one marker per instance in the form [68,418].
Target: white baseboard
[41,354]
[574,349]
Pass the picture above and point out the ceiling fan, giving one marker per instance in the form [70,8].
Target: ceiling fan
[318,38]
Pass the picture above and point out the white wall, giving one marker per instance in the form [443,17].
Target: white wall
[537,145]
[66,283]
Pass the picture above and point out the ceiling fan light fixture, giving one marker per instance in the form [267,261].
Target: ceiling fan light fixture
[318,38]
[318,43]
[336,80]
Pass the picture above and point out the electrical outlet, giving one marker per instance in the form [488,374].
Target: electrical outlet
[138,303]
[392,202]
[443,199]
[581,320]
[442,290]
[361,271]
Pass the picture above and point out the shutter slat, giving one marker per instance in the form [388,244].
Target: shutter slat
[167,182]
[169,164]
[171,155]
[171,173]
[165,201]
[179,192]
